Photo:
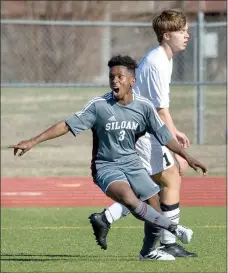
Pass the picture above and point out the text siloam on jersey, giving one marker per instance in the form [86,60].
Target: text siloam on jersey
[115,125]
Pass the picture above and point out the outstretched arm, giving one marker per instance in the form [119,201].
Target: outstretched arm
[59,129]
[78,122]
[193,163]
[156,127]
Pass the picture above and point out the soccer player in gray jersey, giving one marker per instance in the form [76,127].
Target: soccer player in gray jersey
[117,119]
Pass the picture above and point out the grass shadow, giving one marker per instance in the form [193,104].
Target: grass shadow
[20,257]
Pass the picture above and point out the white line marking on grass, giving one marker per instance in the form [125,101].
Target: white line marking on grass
[88,227]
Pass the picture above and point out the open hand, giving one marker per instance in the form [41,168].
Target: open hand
[182,139]
[24,146]
[182,164]
[193,163]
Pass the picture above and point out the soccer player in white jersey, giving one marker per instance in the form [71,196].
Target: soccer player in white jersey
[153,78]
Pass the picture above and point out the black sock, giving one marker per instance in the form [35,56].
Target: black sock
[152,235]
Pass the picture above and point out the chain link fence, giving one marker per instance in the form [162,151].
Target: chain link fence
[77,52]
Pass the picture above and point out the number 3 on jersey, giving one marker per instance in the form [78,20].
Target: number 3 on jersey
[122,135]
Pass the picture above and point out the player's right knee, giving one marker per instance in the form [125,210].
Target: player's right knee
[123,194]
[129,200]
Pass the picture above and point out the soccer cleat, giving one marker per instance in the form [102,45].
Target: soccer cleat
[157,254]
[184,234]
[177,251]
[100,228]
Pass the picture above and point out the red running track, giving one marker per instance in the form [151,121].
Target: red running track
[81,191]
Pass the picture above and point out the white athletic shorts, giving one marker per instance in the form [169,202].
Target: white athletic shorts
[155,158]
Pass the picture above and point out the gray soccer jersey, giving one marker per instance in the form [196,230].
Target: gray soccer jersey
[116,127]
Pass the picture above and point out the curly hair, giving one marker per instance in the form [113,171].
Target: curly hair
[126,61]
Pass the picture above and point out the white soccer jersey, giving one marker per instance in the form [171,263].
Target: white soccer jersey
[153,77]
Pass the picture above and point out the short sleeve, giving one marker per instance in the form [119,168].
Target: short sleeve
[82,120]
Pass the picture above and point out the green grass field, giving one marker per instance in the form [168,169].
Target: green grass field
[61,240]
